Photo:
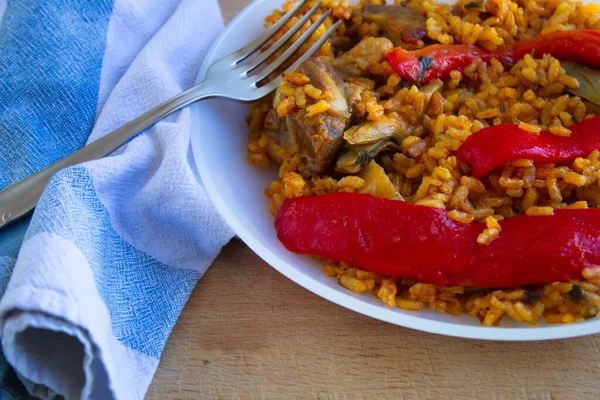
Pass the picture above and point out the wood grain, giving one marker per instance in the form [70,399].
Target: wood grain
[247,332]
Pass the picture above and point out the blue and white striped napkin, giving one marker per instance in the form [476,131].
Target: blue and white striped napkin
[92,284]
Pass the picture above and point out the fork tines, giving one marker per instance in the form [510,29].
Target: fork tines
[259,62]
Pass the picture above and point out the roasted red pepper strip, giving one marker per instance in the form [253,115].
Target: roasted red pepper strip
[496,146]
[582,46]
[401,240]
[437,61]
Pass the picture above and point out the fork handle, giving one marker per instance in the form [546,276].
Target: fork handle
[21,198]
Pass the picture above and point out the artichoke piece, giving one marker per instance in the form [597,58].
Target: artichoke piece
[589,81]
[432,87]
[373,131]
[377,183]
[354,158]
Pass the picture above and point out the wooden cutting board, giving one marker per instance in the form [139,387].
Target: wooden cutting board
[248,332]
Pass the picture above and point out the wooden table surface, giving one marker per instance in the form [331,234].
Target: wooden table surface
[248,332]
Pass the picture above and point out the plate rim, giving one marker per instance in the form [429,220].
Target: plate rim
[348,300]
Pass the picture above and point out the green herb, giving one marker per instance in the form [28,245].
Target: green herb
[577,293]
[588,78]
[533,296]
[424,64]
[473,4]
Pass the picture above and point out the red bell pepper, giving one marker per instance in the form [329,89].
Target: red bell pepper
[398,239]
[496,146]
[437,61]
[582,46]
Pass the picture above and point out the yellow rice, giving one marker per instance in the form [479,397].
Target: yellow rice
[531,94]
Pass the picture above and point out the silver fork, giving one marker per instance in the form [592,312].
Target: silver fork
[237,76]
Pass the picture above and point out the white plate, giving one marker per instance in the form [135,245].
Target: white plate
[219,140]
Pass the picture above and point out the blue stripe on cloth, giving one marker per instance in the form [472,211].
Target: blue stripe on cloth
[12,237]
[144,296]
[51,55]
[7,264]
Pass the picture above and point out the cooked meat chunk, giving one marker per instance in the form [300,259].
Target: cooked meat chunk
[400,24]
[317,138]
[325,78]
[354,90]
[276,128]
[357,61]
